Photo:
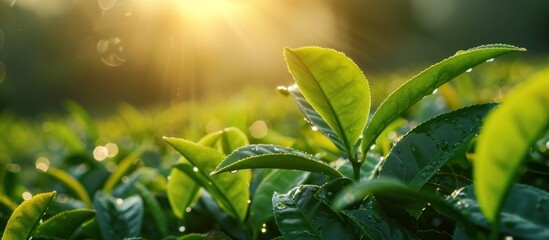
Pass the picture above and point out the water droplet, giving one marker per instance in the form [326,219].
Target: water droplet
[490,60]
[372,147]
[435,91]
[119,201]
[234,171]
[283,90]
[314,128]
[111,51]
[188,209]
[425,175]
[280,206]
[429,168]
[182,229]
[469,70]
[370,216]
[195,169]
[436,222]
[276,148]
[378,217]
[460,52]
[442,145]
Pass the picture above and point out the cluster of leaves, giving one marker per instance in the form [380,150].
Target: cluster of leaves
[363,185]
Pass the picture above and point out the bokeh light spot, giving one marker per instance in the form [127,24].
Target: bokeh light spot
[42,164]
[259,129]
[26,195]
[112,149]
[100,153]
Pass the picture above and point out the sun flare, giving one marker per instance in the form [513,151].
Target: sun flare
[203,10]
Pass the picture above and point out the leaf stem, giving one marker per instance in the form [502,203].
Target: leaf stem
[356,166]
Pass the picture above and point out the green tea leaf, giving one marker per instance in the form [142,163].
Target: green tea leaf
[425,83]
[127,165]
[64,224]
[393,190]
[229,190]
[182,192]
[508,134]
[272,156]
[336,88]
[261,208]
[226,140]
[26,217]
[301,216]
[73,185]
[374,223]
[118,218]
[524,212]
[314,118]
[367,170]
[153,207]
[424,150]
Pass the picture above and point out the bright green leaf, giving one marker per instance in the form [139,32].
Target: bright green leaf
[508,134]
[64,224]
[26,217]
[70,183]
[425,83]
[336,88]
[226,140]
[182,192]
[118,218]
[261,208]
[229,190]
[272,156]
[425,149]
[299,215]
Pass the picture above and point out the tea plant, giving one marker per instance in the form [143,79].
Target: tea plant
[365,186]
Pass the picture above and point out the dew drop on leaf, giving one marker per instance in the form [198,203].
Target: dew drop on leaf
[469,70]
[233,171]
[280,206]
[195,169]
[490,60]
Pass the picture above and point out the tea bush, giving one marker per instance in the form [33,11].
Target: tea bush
[344,173]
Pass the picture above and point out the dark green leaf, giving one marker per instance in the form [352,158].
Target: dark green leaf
[425,83]
[367,170]
[397,192]
[118,218]
[26,217]
[299,215]
[261,208]
[314,118]
[336,88]
[426,148]
[153,207]
[375,224]
[524,213]
[64,224]
[509,133]
[229,190]
[271,156]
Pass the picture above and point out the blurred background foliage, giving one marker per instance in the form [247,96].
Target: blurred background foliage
[146,53]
